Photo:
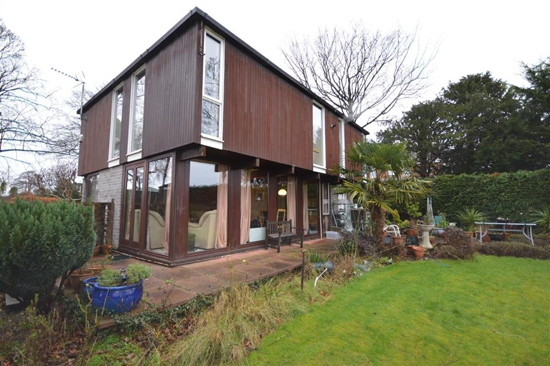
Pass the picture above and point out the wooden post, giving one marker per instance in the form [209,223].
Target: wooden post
[303,268]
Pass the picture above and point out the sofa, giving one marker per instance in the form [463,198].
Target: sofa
[205,230]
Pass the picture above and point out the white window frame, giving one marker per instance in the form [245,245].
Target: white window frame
[316,167]
[114,161]
[209,140]
[134,155]
[342,141]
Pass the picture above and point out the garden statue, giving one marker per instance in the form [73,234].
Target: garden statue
[427,226]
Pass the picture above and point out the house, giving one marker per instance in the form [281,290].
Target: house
[201,140]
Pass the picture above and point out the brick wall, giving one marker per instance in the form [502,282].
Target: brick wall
[109,187]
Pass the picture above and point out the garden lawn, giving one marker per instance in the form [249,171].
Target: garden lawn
[487,311]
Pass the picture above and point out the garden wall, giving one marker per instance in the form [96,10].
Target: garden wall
[497,195]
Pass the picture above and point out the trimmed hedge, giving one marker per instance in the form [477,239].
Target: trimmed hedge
[514,249]
[41,242]
[496,195]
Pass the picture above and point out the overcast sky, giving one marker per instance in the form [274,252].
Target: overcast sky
[100,38]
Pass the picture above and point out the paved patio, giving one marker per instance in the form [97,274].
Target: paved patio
[187,281]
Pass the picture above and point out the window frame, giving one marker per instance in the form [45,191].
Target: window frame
[136,154]
[316,167]
[113,161]
[209,140]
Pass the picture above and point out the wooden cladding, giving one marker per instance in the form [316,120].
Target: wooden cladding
[173,84]
[351,135]
[265,116]
[332,142]
[94,148]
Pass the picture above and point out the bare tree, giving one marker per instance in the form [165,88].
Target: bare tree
[358,71]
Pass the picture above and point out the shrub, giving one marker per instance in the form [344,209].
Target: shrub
[459,245]
[135,272]
[357,244]
[514,249]
[40,243]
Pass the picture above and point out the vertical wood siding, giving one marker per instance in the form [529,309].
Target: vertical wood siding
[351,135]
[170,95]
[94,149]
[332,148]
[264,116]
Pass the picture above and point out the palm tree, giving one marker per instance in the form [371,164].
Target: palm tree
[379,177]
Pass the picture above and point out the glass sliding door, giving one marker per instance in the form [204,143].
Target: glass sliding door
[132,206]
[311,207]
[258,205]
[207,207]
[159,203]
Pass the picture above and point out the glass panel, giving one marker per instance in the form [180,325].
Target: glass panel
[91,187]
[203,206]
[318,148]
[137,204]
[139,104]
[282,191]
[313,207]
[117,123]
[159,195]
[212,69]
[258,205]
[128,212]
[210,118]
[326,203]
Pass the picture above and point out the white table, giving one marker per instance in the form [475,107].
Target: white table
[525,228]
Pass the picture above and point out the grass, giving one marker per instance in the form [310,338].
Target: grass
[487,311]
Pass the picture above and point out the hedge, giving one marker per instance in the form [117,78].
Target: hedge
[505,195]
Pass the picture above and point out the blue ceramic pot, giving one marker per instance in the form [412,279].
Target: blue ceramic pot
[116,299]
[89,287]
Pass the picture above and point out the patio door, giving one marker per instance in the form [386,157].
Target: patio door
[133,214]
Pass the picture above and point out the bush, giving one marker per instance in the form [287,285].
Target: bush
[40,243]
[459,245]
[357,244]
[514,249]
[497,195]
[135,272]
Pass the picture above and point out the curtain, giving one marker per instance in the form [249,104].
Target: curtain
[168,209]
[221,214]
[246,205]
[291,199]
[306,212]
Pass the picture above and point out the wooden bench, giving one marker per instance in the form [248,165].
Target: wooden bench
[280,232]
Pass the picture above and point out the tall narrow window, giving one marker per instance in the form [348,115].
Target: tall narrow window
[212,100]
[159,197]
[318,137]
[116,124]
[138,95]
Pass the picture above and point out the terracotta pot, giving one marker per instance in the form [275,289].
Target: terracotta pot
[96,250]
[77,278]
[418,252]
[106,249]
[412,232]
[432,240]
[398,240]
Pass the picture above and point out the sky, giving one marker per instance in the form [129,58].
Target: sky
[97,39]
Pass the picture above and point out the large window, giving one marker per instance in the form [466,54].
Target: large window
[212,102]
[159,198]
[116,123]
[311,207]
[207,207]
[138,104]
[318,137]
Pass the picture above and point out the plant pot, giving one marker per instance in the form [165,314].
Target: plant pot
[432,240]
[116,299]
[418,252]
[96,250]
[411,232]
[76,280]
[398,240]
[106,248]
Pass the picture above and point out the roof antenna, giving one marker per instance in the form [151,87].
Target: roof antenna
[78,81]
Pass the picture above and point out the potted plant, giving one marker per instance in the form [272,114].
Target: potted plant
[117,291]
[542,219]
[106,248]
[77,277]
[468,218]
[418,251]
[413,210]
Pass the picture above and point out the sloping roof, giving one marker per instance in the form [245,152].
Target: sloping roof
[198,14]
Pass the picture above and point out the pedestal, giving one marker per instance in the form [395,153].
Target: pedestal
[425,232]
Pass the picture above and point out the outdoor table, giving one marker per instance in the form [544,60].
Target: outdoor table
[525,228]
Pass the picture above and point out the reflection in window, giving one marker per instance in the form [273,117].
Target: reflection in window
[212,67]
[318,137]
[91,187]
[128,203]
[311,207]
[159,197]
[116,124]
[207,207]
[137,204]
[210,118]
[212,86]
[139,104]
